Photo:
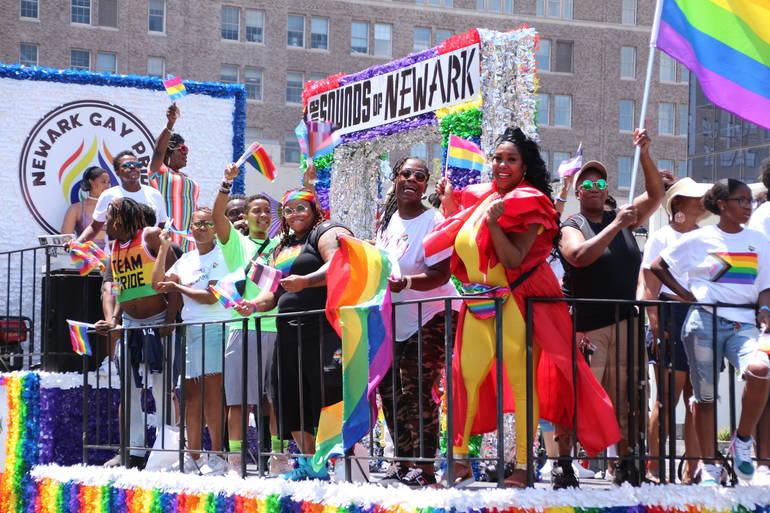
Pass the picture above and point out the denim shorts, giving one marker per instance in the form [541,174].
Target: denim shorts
[197,362]
[734,340]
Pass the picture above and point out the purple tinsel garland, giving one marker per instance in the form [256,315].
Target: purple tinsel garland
[429,118]
[391,66]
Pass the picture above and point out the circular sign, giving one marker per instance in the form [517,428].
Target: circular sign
[66,142]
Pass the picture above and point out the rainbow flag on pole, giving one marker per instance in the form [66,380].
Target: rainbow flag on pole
[79,337]
[175,88]
[226,289]
[259,160]
[358,306]
[464,154]
[726,44]
[86,256]
[328,438]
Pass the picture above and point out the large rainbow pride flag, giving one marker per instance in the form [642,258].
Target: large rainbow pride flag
[726,44]
[358,306]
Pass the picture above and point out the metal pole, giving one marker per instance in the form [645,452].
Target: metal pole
[646,94]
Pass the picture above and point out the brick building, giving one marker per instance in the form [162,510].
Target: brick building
[592,58]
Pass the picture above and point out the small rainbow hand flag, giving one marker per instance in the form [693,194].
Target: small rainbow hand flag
[185,235]
[266,277]
[226,289]
[259,160]
[86,256]
[464,154]
[79,337]
[175,88]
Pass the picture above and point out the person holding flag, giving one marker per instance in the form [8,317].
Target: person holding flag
[179,191]
[501,234]
[240,253]
[307,244]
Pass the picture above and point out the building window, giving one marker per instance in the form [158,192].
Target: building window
[80,11]
[563,57]
[255,26]
[157,16]
[545,156]
[106,63]
[295,32]
[442,35]
[684,75]
[543,55]
[27,54]
[317,76]
[666,118]
[626,110]
[627,62]
[290,148]
[554,8]
[294,82]
[382,39]
[253,81]
[108,13]
[231,21]
[667,68]
[683,119]
[667,165]
[505,6]
[319,33]
[156,66]
[253,134]
[624,172]
[628,12]
[80,59]
[29,9]
[228,74]
[419,150]
[359,37]
[445,3]
[543,109]
[420,39]
[562,110]
[558,158]
[681,169]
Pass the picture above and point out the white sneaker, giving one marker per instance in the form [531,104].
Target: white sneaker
[710,475]
[545,470]
[581,472]
[280,464]
[742,463]
[112,462]
[234,464]
[761,476]
[190,466]
[214,466]
[604,475]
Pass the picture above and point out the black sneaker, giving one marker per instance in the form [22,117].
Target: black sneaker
[394,473]
[416,477]
[626,472]
[137,462]
[563,475]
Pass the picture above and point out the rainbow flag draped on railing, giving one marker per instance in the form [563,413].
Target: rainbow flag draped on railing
[358,306]
[726,44]
[86,256]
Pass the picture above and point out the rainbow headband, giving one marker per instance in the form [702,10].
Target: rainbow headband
[298,194]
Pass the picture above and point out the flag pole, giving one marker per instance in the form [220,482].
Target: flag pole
[646,95]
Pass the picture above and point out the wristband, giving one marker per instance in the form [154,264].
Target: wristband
[169,130]
[408,282]
[226,184]
[560,200]
[764,307]
[224,191]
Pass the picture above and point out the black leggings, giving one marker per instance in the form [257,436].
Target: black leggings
[299,396]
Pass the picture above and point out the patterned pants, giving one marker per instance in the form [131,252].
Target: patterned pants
[406,428]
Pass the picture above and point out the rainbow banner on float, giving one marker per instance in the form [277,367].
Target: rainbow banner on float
[358,306]
[726,44]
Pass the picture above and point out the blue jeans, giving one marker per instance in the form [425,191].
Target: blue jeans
[734,340]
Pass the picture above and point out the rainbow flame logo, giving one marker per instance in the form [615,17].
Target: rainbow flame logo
[71,172]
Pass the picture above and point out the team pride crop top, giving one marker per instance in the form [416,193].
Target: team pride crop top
[132,265]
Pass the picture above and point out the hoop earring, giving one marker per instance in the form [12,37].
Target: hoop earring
[679,217]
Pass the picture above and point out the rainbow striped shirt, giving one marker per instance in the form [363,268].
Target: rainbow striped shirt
[180,193]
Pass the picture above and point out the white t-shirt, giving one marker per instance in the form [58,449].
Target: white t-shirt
[145,194]
[196,271]
[760,219]
[723,267]
[661,239]
[403,241]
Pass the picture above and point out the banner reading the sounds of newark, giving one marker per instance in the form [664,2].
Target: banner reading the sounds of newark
[57,123]
[426,86]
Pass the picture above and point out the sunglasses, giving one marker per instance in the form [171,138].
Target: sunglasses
[419,176]
[301,209]
[183,149]
[589,185]
[136,164]
[203,224]
[744,202]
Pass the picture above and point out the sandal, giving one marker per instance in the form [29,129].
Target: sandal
[517,479]
[463,475]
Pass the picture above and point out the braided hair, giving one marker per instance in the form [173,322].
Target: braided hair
[174,142]
[391,202]
[128,214]
[537,173]
[285,232]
